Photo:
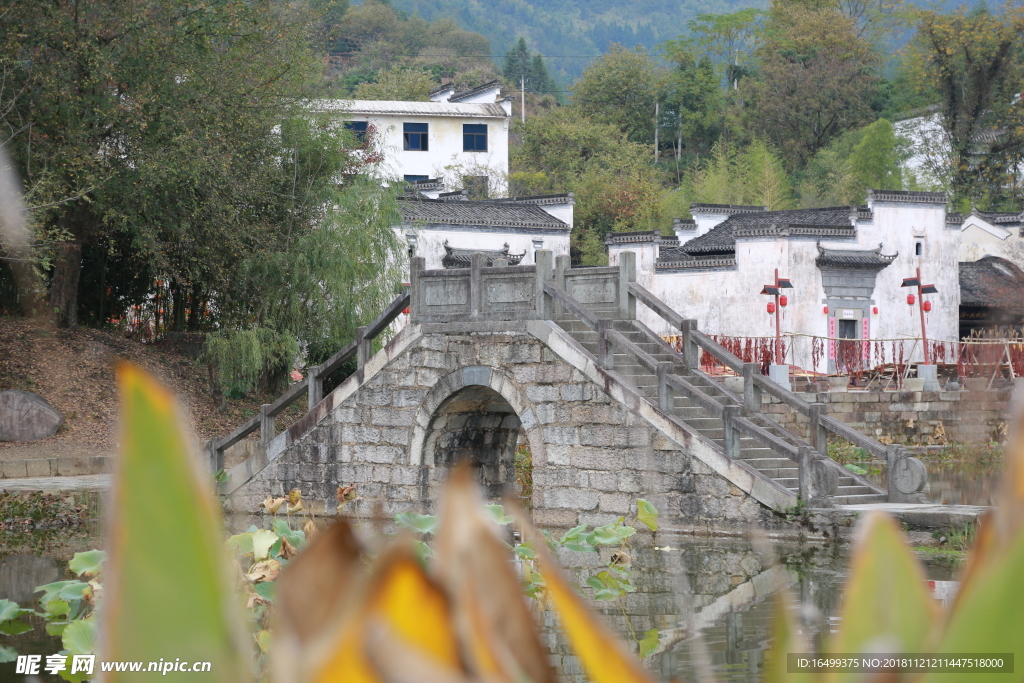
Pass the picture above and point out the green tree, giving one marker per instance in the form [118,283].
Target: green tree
[692,100]
[622,88]
[875,160]
[616,187]
[397,83]
[752,176]
[728,39]
[974,61]
[816,80]
[518,66]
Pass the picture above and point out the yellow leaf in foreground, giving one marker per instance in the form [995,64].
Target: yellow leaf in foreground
[402,600]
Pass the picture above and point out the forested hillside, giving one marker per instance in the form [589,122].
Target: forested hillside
[570,32]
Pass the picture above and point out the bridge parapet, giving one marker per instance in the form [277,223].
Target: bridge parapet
[503,292]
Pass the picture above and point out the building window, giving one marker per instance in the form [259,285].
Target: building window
[918,249]
[474,137]
[413,178]
[357,128]
[415,136]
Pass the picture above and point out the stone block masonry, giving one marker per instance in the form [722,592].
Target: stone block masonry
[440,389]
[913,418]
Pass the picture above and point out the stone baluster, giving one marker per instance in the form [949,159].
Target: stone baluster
[364,347]
[819,436]
[314,386]
[416,266]
[605,352]
[266,425]
[751,392]
[731,435]
[627,274]
[543,303]
[666,394]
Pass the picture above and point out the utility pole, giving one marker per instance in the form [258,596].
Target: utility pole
[656,105]
[522,92]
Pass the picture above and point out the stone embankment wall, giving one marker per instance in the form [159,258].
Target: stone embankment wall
[914,418]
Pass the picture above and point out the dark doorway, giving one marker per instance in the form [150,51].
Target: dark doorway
[848,329]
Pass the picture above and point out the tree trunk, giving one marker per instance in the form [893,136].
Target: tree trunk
[64,290]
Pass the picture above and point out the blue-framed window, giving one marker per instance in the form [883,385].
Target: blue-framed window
[415,136]
[413,178]
[474,137]
[357,128]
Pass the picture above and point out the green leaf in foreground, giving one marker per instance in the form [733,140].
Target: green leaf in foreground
[423,524]
[647,514]
[649,643]
[7,654]
[166,553]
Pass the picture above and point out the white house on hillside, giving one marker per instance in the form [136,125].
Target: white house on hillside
[458,138]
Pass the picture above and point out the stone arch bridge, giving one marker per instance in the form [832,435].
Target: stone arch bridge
[553,357]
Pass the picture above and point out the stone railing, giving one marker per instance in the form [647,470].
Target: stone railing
[312,387]
[912,475]
[503,292]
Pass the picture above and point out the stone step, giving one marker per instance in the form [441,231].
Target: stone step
[859,499]
[855,491]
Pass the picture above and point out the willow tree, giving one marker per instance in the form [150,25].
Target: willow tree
[175,149]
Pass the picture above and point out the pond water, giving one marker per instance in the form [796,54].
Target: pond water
[710,598]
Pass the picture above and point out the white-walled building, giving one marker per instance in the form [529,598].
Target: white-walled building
[449,224]
[458,138]
[845,264]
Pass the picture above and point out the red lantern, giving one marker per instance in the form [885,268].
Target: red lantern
[825,310]
[783,300]
[405,310]
[771,307]
[911,299]
[875,310]
[927,306]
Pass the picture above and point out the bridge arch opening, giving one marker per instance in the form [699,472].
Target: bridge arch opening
[477,424]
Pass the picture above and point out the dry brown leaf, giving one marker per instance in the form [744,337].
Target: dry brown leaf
[312,587]
[264,570]
[492,616]
[310,530]
[272,505]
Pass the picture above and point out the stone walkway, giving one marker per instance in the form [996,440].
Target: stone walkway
[87,482]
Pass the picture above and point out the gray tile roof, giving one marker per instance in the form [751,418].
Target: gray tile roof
[907,196]
[464,94]
[462,258]
[828,222]
[402,108]
[992,282]
[701,207]
[482,214]
[871,259]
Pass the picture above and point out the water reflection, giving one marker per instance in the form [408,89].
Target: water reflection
[710,598]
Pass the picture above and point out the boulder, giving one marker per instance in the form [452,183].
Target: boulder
[25,416]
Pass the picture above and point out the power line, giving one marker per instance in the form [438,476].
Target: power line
[398,54]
